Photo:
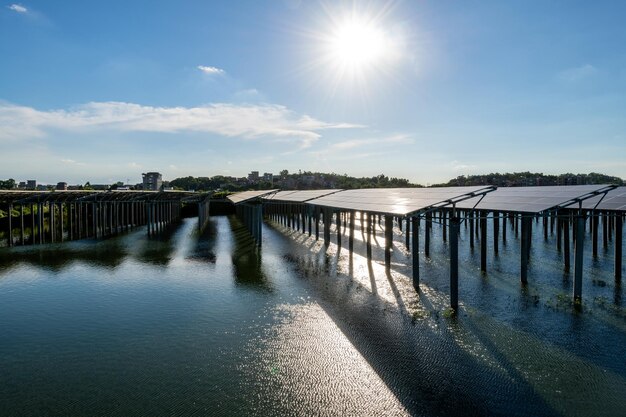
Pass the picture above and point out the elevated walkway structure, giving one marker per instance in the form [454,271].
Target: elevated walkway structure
[56,216]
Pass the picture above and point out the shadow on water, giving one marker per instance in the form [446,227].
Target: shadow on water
[421,364]
[246,258]
[58,256]
[203,249]
[158,249]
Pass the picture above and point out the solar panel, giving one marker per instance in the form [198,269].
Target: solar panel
[530,199]
[248,195]
[299,196]
[400,201]
[615,200]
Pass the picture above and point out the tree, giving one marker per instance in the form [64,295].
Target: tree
[7,184]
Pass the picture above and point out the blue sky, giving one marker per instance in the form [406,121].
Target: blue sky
[425,90]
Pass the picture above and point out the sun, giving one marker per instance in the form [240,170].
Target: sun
[357,43]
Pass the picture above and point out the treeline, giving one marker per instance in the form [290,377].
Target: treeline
[520,179]
[286,181]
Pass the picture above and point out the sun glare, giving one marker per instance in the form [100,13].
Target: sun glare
[356,44]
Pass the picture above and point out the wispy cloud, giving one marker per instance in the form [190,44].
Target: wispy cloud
[577,73]
[18,8]
[244,121]
[460,166]
[360,143]
[72,162]
[211,70]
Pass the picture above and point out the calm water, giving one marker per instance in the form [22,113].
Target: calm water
[206,325]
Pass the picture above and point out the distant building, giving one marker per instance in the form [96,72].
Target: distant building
[22,185]
[31,184]
[268,177]
[61,186]
[253,176]
[152,181]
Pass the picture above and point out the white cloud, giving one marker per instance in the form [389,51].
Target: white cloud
[460,166]
[17,8]
[245,121]
[72,162]
[578,73]
[134,165]
[210,70]
[360,143]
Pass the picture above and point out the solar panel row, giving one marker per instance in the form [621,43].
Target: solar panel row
[404,201]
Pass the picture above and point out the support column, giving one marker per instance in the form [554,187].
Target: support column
[338,222]
[317,223]
[578,261]
[407,233]
[327,226]
[566,244]
[595,223]
[496,231]
[416,250]
[618,246]
[351,237]
[369,236]
[483,241]
[444,224]
[429,226]
[470,215]
[22,224]
[10,225]
[388,239]
[524,249]
[454,261]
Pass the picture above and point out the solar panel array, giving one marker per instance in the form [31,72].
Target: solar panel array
[248,195]
[299,196]
[530,199]
[400,201]
[615,200]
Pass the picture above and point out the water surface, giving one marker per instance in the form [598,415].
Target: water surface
[208,325]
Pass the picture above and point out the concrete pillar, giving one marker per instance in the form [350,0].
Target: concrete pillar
[351,237]
[388,239]
[428,226]
[524,249]
[10,236]
[578,261]
[595,223]
[496,231]
[618,246]
[327,215]
[369,236]
[559,232]
[470,215]
[61,219]
[454,261]
[22,224]
[338,222]
[566,244]
[444,224]
[415,245]
[407,233]
[317,223]
[32,224]
[605,230]
[483,241]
